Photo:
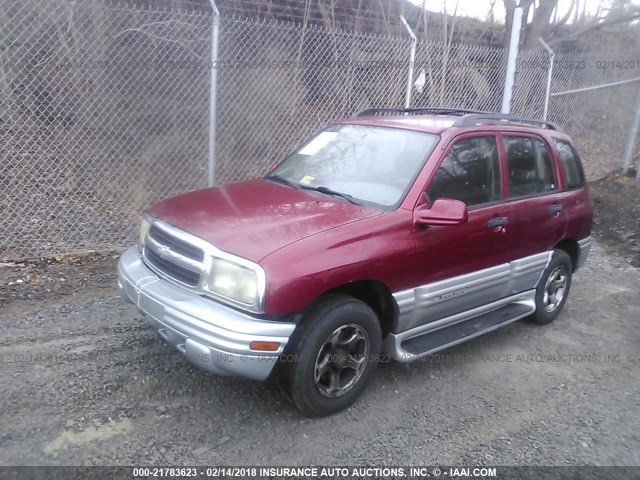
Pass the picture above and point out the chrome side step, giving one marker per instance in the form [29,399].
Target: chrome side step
[428,342]
[447,332]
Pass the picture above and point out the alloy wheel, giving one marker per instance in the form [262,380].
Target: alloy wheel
[554,289]
[341,360]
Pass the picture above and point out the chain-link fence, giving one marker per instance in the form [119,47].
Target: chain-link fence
[97,119]
[598,120]
[104,109]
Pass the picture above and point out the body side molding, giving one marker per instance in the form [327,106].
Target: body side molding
[432,302]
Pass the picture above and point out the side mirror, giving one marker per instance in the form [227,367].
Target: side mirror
[444,211]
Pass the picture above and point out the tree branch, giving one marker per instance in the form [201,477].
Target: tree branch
[590,28]
[566,17]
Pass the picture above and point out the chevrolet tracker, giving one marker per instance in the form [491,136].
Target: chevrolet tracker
[394,233]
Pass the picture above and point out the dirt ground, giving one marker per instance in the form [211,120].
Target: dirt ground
[84,381]
[616,202]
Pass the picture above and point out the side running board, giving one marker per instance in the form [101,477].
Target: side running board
[448,336]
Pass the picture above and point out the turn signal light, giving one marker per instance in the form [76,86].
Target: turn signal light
[264,346]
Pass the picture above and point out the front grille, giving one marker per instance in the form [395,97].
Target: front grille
[168,251]
[176,244]
[177,272]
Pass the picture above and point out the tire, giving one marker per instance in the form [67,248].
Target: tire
[553,288]
[318,353]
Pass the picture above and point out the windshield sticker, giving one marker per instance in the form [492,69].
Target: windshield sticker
[317,143]
[307,179]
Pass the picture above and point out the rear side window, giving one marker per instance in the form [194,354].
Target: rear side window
[470,173]
[570,164]
[530,167]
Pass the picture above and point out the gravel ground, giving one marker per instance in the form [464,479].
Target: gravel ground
[84,381]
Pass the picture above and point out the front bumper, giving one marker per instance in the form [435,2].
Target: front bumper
[211,335]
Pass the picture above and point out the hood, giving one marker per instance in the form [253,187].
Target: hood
[255,218]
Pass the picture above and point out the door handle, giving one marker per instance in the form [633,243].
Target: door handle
[496,222]
[555,209]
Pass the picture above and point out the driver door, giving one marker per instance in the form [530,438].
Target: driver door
[463,266]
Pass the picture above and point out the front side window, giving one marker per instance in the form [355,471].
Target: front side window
[370,164]
[572,168]
[530,166]
[470,173]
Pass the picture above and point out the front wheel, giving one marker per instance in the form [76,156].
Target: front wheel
[553,288]
[331,356]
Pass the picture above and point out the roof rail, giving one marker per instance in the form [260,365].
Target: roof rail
[468,118]
[414,111]
[473,119]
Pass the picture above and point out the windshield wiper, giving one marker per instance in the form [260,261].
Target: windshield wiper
[329,191]
[282,180]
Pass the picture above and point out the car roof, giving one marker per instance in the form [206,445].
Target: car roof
[434,120]
[423,123]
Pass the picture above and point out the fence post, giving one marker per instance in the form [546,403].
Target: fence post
[511,61]
[211,180]
[552,55]
[412,59]
[631,142]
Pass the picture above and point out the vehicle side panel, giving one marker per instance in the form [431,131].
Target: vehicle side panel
[578,204]
[379,248]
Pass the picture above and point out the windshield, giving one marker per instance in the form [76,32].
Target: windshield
[368,164]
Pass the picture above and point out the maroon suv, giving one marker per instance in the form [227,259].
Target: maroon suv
[394,232]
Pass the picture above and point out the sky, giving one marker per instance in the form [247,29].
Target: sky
[480,8]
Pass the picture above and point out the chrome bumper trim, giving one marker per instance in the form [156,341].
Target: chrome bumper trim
[212,336]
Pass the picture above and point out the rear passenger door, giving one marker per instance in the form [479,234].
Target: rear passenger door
[538,211]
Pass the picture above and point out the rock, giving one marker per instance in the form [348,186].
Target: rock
[200,450]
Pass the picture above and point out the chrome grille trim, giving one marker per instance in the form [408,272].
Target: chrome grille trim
[166,253]
[168,269]
[161,255]
[176,244]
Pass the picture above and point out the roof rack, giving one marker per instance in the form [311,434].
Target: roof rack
[467,118]
[474,118]
[414,111]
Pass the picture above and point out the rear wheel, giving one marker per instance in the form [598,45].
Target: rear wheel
[553,288]
[331,355]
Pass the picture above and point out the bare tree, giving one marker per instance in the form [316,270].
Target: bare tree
[598,23]
[545,22]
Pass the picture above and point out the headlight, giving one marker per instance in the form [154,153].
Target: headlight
[234,281]
[144,229]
